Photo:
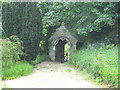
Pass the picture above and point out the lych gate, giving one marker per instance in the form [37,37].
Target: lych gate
[58,41]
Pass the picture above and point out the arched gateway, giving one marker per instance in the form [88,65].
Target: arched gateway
[58,41]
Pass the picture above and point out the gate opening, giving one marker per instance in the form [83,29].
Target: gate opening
[61,51]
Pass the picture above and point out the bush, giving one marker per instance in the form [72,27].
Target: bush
[11,51]
[17,70]
[39,59]
[101,63]
[12,67]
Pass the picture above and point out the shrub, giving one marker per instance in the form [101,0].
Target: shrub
[11,51]
[39,59]
[21,69]
[101,63]
[12,67]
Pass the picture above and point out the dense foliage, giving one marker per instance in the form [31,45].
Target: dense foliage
[12,67]
[11,51]
[82,17]
[95,20]
[23,19]
[100,62]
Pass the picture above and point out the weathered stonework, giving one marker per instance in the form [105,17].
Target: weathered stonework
[63,36]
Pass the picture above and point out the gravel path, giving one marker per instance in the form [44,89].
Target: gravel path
[52,75]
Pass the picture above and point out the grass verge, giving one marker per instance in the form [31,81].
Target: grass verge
[17,70]
[100,63]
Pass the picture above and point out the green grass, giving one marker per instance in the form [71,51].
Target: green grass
[12,67]
[39,59]
[68,70]
[17,70]
[21,68]
[100,63]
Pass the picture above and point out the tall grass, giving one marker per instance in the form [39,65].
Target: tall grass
[17,70]
[101,63]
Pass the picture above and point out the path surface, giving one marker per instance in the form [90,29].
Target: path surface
[52,75]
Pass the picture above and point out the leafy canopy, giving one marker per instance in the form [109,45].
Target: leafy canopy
[81,17]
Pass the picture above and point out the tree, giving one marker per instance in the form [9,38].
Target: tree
[89,19]
[24,20]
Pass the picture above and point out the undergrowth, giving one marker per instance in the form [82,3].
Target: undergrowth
[101,63]
[39,59]
[12,66]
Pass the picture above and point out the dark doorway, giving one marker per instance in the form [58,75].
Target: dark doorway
[59,50]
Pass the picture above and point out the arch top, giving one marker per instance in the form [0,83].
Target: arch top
[55,42]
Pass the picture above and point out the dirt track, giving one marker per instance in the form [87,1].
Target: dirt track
[52,75]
